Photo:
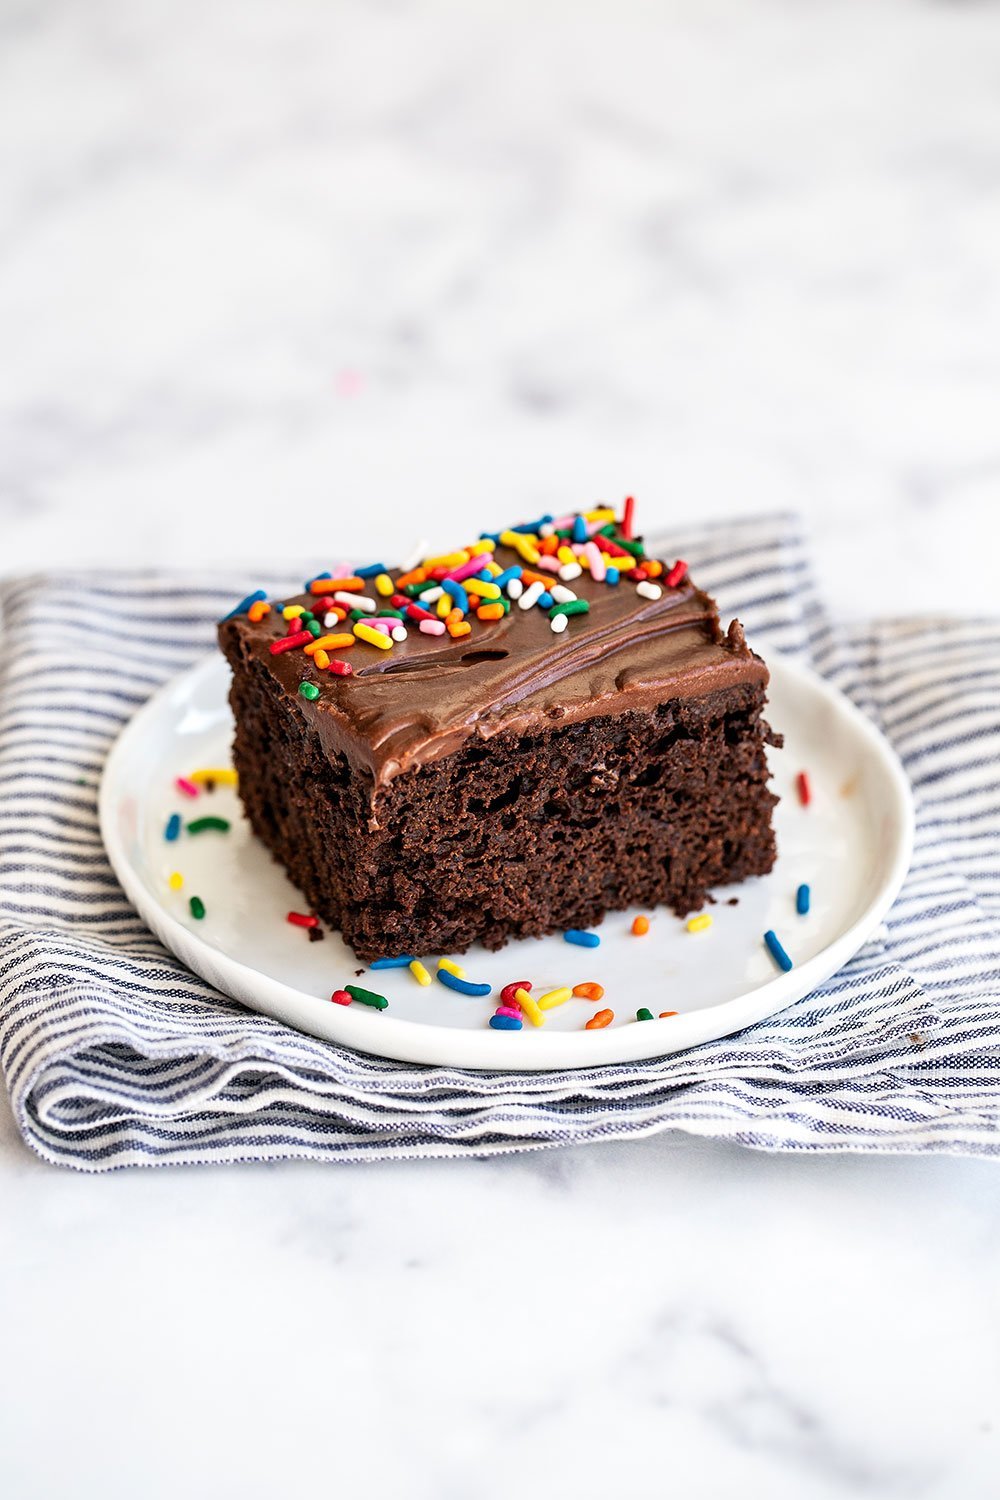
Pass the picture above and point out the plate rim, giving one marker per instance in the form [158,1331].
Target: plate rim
[486,1050]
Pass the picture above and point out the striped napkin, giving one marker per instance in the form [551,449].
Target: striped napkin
[114,1054]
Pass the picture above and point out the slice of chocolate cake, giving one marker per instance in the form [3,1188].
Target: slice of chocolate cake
[506,741]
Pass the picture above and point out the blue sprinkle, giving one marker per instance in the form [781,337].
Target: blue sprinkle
[463,986]
[372,570]
[611,575]
[528,528]
[579,530]
[245,604]
[310,581]
[777,952]
[545,600]
[485,576]
[505,1023]
[490,536]
[582,939]
[391,963]
[505,577]
[173,828]
[455,591]
[802,900]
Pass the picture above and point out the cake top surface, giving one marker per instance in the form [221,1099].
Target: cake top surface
[562,619]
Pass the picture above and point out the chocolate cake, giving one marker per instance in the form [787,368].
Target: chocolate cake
[555,726]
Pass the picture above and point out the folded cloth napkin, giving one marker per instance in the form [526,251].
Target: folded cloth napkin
[115,1054]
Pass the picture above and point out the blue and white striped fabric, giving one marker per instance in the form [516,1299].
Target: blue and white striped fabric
[114,1054]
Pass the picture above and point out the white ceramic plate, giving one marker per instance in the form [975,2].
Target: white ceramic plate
[851,846]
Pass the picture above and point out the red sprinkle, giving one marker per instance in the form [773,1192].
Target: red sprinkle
[300,638]
[302,919]
[639,575]
[187,787]
[676,574]
[805,792]
[416,613]
[340,668]
[509,992]
[325,603]
[628,517]
[612,548]
[340,997]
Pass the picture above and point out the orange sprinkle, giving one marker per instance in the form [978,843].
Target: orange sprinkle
[453,617]
[417,575]
[460,628]
[548,545]
[597,1023]
[490,612]
[589,991]
[328,642]
[640,926]
[653,570]
[665,1013]
[258,610]
[321,659]
[327,585]
[528,575]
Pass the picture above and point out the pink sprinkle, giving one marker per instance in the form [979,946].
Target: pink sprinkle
[471,568]
[187,787]
[597,568]
[384,625]
[508,1010]
[548,564]
[432,627]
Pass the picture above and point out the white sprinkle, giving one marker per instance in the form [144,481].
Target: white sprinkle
[419,552]
[561,595]
[558,624]
[330,620]
[357,601]
[398,632]
[431,596]
[648,590]
[515,588]
[546,528]
[569,571]
[530,595]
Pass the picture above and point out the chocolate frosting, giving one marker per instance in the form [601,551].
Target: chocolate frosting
[405,707]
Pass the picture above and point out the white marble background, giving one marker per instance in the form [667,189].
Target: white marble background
[280,273]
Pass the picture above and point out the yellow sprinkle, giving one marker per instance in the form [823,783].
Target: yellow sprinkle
[445,606]
[554,997]
[483,545]
[566,555]
[446,560]
[223,775]
[494,570]
[291,611]
[529,1007]
[483,590]
[698,924]
[453,968]
[384,584]
[602,514]
[523,544]
[176,881]
[624,564]
[419,973]
[373,637]
[321,659]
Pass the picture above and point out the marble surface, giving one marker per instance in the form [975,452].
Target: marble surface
[379,267]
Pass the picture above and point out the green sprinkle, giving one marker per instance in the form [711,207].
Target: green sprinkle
[197,906]
[571,607]
[367,997]
[644,1014]
[637,550]
[390,614]
[314,628]
[202,825]
[416,589]
[308,690]
[608,531]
